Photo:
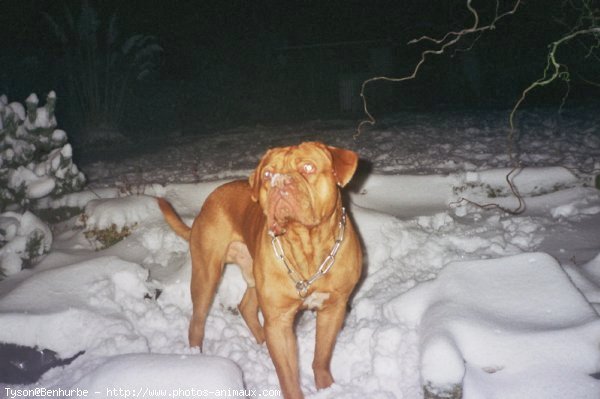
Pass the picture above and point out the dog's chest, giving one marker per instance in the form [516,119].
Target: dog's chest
[315,300]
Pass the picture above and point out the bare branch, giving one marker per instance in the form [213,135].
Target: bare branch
[447,41]
[475,28]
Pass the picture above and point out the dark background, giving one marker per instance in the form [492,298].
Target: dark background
[226,63]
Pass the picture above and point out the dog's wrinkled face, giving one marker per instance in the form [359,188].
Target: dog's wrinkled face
[300,183]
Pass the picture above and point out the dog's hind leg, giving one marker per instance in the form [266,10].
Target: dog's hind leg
[237,253]
[207,267]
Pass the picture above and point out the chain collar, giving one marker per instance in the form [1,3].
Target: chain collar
[301,284]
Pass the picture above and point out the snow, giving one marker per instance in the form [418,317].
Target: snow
[486,316]
[18,232]
[18,109]
[40,179]
[43,119]
[166,375]
[124,211]
[36,186]
[504,305]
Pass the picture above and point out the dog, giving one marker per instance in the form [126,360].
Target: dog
[288,231]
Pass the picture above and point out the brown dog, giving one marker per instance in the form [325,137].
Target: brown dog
[287,230]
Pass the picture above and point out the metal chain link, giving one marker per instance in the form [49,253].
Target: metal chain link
[301,284]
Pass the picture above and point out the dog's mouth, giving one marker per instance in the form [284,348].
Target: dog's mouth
[288,204]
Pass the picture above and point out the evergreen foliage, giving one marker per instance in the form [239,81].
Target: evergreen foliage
[35,158]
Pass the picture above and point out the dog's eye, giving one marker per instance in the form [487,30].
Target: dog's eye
[308,168]
[267,175]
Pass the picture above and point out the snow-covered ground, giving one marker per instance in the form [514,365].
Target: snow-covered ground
[505,306]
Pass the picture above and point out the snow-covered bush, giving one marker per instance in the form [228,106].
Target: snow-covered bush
[35,158]
[108,221]
[35,162]
[23,239]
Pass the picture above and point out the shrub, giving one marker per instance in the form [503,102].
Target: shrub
[104,238]
[35,158]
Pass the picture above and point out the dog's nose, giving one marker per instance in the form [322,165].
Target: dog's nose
[280,180]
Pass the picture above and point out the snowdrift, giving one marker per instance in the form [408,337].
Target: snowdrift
[501,328]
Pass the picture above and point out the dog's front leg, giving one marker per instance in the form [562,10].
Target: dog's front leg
[281,341]
[249,308]
[329,323]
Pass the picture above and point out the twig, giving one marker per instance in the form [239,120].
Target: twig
[596,84]
[520,208]
[552,71]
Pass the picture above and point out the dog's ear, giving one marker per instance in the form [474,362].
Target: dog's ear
[254,181]
[344,164]
[255,178]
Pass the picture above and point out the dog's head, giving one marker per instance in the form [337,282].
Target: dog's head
[300,183]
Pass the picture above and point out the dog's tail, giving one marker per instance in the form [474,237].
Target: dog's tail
[173,219]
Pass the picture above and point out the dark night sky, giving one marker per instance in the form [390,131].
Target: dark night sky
[245,51]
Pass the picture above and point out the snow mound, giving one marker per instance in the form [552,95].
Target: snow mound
[501,327]
[151,375]
[121,212]
[76,308]
[412,195]
[404,195]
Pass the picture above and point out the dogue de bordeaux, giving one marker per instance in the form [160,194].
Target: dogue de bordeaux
[287,229]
